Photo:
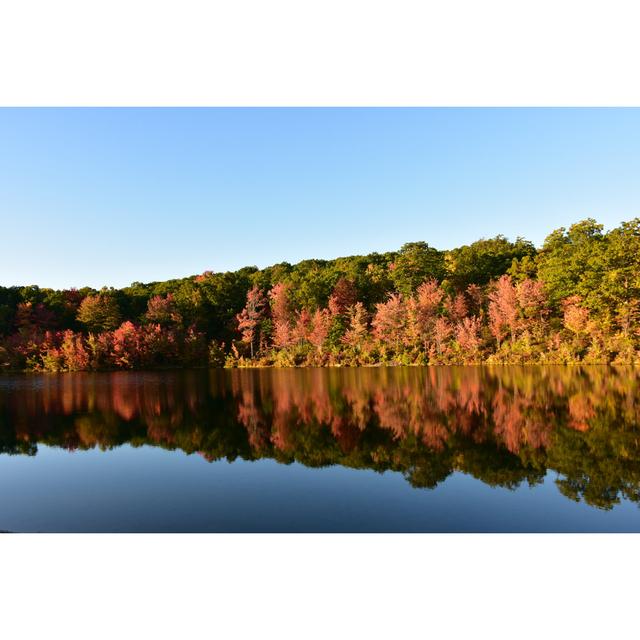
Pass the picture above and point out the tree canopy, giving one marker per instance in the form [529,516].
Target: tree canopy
[575,299]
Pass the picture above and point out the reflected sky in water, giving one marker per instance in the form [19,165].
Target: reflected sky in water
[386,449]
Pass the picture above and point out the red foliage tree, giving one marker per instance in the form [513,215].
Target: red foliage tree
[389,321]
[442,331]
[423,311]
[163,311]
[203,276]
[99,348]
[503,309]
[532,298]
[357,332]
[320,325]
[468,337]
[457,307]
[302,327]
[127,348]
[343,297]
[34,317]
[159,345]
[74,352]
[575,316]
[281,313]
[250,319]
[429,296]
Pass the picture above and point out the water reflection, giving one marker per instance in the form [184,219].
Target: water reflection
[503,425]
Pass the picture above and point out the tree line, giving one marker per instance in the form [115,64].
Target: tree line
[576,299]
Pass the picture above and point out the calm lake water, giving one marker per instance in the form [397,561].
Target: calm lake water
[387,449]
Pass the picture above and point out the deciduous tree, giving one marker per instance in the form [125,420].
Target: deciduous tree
[99,313]
[251,318]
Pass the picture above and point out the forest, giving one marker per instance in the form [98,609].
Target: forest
[575,299]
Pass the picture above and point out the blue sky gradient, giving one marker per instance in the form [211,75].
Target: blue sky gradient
[111,196]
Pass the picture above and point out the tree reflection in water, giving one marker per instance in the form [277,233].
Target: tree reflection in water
[502,425]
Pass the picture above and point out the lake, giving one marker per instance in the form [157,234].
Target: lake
[406,449]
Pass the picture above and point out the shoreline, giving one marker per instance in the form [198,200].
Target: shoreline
[28,372]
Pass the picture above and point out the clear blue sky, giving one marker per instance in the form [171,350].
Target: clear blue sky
[110,196]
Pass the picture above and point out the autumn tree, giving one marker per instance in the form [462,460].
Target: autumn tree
[163,311]
[442,331]
[320,325]
[34,317]
[127,346]
[357,330]
[575,316]
[457,307]
[532,299]
[343,297]
[281,313]
[503,309]
[389,321]
[467,333]
[74,352]
[251,319]
[422,312]
[302,327]
[99,313]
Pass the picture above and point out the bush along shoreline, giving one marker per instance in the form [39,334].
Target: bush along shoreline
[574,300]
